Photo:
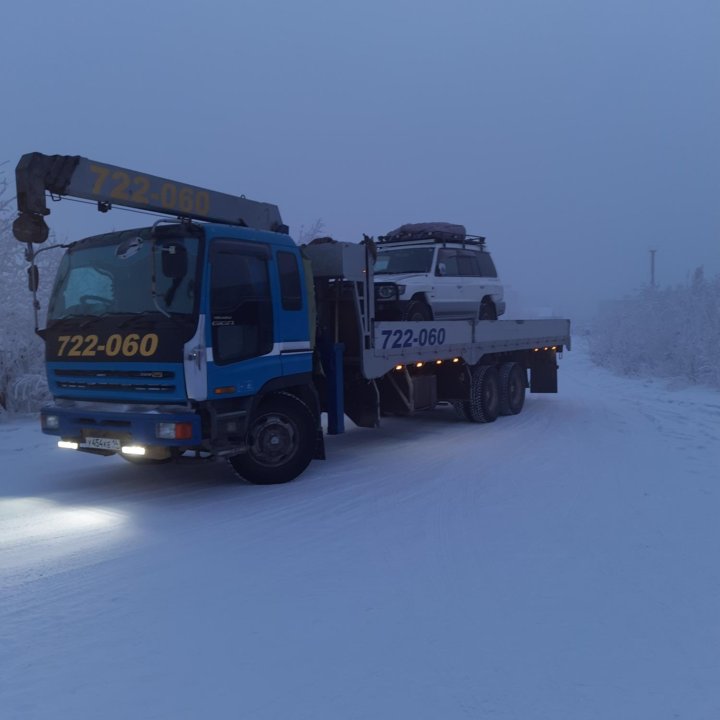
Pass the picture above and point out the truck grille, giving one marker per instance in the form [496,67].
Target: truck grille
[117,384]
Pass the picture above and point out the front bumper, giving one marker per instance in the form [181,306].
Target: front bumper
[138,426]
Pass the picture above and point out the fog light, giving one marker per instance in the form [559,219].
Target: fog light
[133,450]
[51,422]
[67,445]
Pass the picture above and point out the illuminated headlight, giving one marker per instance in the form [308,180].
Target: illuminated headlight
[133,450]
[173,431]
[67,445]
[51,422]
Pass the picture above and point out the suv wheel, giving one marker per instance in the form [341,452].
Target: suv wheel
[417,311]
[487,311]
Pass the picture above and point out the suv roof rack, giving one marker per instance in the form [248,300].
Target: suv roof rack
[438,232]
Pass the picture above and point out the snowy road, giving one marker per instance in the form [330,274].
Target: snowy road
[559,564]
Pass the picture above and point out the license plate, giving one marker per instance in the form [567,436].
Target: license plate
[101,443]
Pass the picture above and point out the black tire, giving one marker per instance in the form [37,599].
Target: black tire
[488,311]
[512,388]
[281,442]
[417,311]
[484,405]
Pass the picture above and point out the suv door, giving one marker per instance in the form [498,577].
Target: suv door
[474,289]
[448,300]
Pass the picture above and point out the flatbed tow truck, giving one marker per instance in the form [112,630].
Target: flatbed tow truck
[211,334]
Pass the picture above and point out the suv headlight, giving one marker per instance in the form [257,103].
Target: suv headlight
[387,291]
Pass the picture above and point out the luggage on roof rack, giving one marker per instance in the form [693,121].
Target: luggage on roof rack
[437,231]
[426,231]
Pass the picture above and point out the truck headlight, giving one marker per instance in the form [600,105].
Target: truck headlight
[132,450]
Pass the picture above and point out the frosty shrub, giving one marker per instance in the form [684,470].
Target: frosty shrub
[669,332]
[22,377]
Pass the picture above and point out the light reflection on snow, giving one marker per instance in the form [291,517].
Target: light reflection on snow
[38,535]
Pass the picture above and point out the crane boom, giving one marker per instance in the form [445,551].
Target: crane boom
[73,176]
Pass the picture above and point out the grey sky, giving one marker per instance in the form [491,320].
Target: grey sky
[575,135]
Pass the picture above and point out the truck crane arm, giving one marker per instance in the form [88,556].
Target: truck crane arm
[73,176]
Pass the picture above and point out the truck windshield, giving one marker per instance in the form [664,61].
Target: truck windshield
[404,260]
[112,275]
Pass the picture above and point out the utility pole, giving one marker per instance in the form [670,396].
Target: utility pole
[652,268]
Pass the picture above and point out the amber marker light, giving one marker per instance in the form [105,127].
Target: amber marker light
[398,367]
[456,359]
[225,390]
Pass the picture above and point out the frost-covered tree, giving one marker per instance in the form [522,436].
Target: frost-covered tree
[307,234]
[22,377]
[671,332]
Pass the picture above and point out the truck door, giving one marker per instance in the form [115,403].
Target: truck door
[241,328]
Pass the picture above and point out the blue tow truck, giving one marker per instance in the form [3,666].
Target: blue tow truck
[211,334]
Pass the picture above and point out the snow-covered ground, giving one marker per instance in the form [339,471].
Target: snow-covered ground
[561,564]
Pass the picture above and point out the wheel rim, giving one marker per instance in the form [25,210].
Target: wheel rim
[274,440]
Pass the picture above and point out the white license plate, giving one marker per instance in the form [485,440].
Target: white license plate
[101,443]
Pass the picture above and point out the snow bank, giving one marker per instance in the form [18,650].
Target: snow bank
[669,332]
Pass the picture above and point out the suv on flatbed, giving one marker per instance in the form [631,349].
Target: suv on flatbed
[435,271]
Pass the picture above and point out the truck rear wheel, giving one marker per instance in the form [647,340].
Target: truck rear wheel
[484,404]
[512,388]
[281,442]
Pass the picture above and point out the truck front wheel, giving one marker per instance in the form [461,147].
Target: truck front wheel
[280,440]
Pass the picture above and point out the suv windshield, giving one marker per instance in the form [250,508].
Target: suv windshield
[404,260]
[112,275]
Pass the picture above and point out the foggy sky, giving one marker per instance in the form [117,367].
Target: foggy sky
[575,135]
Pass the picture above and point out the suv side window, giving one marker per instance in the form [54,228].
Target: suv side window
[487,266]
[450,259]
[469,265]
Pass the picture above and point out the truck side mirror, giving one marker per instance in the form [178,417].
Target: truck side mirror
[174,260]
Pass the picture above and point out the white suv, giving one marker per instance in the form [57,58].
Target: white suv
[435,271]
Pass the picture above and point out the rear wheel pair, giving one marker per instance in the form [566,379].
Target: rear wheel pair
[493,392]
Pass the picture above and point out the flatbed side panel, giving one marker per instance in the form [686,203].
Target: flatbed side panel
[410,342]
